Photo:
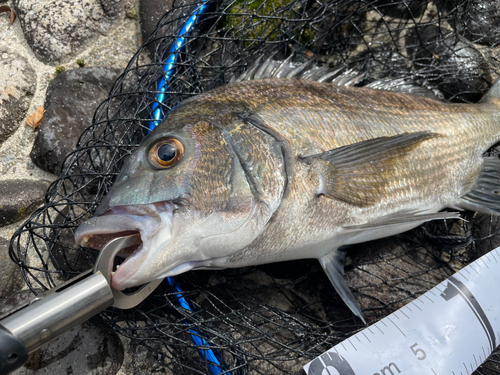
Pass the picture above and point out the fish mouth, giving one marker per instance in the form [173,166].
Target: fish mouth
[153,222]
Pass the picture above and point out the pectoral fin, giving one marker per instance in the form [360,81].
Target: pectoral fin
[360,173]
[333,264]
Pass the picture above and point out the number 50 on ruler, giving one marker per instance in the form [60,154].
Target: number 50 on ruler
[450,330]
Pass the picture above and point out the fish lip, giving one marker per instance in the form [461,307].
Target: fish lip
[118,221]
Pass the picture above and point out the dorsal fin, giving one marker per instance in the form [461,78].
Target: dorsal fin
[340,76]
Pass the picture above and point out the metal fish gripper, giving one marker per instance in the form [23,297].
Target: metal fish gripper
[58,310]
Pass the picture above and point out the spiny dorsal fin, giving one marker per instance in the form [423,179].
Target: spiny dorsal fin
[484,196]
[358,174]
[340,76]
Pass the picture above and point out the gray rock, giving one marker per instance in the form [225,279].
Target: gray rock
[448,61]
[85,349]
[18,198]
[11,280]
[406,9]
[17,86]
[477,20]
[151,11]
[17,300]
[72,98]
[56,29]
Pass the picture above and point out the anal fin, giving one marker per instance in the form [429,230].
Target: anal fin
[484,196]
[333,264]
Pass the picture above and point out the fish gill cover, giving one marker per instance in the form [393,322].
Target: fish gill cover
[271,319]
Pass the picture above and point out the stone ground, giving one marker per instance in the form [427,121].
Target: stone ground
[86,349]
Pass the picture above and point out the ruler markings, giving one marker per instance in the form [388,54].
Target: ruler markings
[477,276]
[402,312]
[396,326]
[428,298]
[473,268]
[352,344]
[481,259]
[413,303]
[368,338]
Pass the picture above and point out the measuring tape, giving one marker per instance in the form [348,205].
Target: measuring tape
[450,330]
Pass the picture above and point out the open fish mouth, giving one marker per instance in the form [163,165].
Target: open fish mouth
[153,222]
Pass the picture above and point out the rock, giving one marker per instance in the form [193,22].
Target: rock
[448,61]
[150,13]
[477,20]
[85,349]
[56,29]
[406,9]
[11,280]
[18,198]
[17,300]
[17,86]
[72,98]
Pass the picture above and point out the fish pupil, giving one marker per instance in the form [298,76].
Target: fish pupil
[166,152]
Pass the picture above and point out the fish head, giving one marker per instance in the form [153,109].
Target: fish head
[189,191]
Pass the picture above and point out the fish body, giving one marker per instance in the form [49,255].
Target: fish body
[278,169]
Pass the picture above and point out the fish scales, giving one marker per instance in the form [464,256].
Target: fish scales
[275,170]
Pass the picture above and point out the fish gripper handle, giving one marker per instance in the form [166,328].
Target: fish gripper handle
[49,315]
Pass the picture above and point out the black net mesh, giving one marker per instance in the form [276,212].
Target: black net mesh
[272,319]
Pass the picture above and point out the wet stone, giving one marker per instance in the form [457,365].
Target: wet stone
[477,20]
[15,301]
[85,349]
[18,198]
[151,11]
[71,100]
[450,62]
[56,29]
[17,86]
[11,280]
[406,9]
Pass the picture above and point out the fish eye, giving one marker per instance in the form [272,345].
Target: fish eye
[166,153]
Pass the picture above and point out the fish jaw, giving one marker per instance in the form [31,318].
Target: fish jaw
[152,221]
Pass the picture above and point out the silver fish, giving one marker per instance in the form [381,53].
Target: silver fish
[270,170]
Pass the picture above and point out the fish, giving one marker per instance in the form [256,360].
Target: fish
[269,169]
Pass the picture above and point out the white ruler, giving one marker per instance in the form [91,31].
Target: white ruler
[450,330]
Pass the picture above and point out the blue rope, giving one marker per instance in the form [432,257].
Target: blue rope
[169,65]
[214,360]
